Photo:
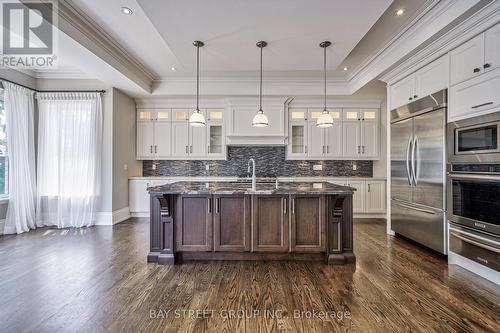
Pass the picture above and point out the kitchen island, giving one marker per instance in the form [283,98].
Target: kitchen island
[231,221]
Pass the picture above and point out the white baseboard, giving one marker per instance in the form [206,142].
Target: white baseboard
[112,218]
[139,214]
[474,267]
[2,226]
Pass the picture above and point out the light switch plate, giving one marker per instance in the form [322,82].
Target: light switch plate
[317,167]
[354,167]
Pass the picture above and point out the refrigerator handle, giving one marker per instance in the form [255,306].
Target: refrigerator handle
[413,160]
[408,148]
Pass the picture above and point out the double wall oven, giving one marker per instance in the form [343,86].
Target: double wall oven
[474,188]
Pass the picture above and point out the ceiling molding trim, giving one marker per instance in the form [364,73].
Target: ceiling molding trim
[436,17]
[81,28]
[246,86]
[485,18]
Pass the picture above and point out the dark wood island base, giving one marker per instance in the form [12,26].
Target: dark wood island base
[297,222]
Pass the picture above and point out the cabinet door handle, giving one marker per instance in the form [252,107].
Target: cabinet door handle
[410,99]
[328,149]
[293,205]
[486,65]
[476,70]
[151,149]
[187,149]
[415,96]
[479,105]
[208,149]
[209,205]
[363,147]
[359,149]
[217,205]
[191,149]
[369,188]
[156,149]
[305,149]
[284,205]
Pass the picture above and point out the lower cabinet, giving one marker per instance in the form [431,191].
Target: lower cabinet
[375,196]
[307,230]
[232,220]
[270,223]
[194,223]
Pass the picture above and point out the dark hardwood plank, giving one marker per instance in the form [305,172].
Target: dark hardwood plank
[97,280]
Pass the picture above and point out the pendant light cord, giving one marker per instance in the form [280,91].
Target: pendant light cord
[197,76]
[324,65]
[260,108]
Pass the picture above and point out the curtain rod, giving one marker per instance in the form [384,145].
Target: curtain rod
[52,91]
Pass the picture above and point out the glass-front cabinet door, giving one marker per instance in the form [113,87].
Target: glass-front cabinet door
[215,138]
[298,139]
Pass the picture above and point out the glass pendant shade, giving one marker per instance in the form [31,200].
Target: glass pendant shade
[324,120]
[197,119]
[260,119]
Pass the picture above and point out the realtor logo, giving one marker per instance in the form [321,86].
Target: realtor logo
[28,34]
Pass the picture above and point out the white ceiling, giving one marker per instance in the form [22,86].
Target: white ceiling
[160,33]
[293,29]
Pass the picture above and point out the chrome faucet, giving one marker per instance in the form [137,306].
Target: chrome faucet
[254,179]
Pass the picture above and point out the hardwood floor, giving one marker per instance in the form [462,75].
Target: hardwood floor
[97,280]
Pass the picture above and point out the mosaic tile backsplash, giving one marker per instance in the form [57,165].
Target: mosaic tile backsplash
[269,162]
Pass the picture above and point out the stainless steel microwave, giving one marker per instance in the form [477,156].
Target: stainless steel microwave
[475,140]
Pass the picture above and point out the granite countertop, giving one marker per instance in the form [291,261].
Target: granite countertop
[244,187]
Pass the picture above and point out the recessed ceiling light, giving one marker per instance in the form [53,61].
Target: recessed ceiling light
[345,68]
[126,10]
[173,69]
[400,12]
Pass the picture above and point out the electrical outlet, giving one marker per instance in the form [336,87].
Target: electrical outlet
[207,167]
[125,167]
[317,167]
[153,166]
[354,167]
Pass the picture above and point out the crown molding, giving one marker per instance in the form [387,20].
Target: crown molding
[249,86]
[437,16]
[483,19]
[80,27]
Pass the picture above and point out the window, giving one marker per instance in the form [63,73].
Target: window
[4,162]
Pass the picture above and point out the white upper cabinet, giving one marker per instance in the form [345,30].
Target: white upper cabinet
[477,56]
[145,140]
[163,139]
[492,48]
[316,141]
[166,134]
[352,139]
[333,140]
[360,133]
[180,139]
[432,78]
[402,92]
[467,60]
[427,80]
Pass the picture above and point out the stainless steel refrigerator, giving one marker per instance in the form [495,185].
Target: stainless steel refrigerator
[418,179]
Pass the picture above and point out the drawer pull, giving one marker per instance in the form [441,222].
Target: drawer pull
[478,244]
[479,105]
[476,70]
[486,65]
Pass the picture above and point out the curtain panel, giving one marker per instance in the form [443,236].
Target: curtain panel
[69,158]
[20,113]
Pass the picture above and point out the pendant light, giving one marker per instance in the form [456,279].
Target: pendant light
[325,119]
[197,119]
[260,119]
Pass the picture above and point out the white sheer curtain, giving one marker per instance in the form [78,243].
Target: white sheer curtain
[19,111]
[69,158]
